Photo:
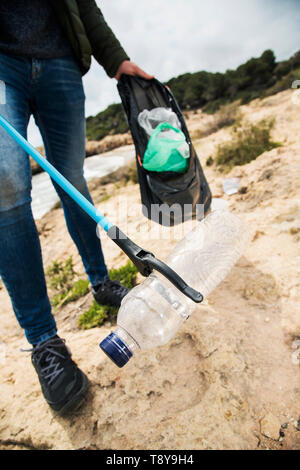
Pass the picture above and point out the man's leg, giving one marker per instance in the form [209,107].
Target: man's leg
[59,113]
[21,265]
[63,384]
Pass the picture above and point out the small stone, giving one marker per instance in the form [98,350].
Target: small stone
[267,320]
[294,230]
[270,426]
[243,190]
[266,175]
[257,235]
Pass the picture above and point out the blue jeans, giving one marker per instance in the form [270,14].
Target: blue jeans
[52,91]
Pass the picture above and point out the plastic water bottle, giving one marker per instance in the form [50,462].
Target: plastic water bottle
[153,311]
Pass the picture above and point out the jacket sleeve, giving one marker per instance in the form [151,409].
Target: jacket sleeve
[106,48]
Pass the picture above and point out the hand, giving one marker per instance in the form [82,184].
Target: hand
[130,68]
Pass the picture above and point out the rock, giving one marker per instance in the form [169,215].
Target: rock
[243,190]
[110,142]
[266,175]
[270,426]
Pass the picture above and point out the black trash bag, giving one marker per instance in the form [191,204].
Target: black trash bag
[168,198]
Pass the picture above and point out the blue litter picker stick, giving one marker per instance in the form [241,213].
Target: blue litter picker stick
[57,176]
[143,260]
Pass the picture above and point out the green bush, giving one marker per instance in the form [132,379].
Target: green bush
[96,315]
[213,106]
[79,289]
[284,83]
[228,115]
[249,81]
[110,121]
[126,274]
[248,142]
[212,90]
[60,275]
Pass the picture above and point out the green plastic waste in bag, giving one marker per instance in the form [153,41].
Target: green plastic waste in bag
[162,153]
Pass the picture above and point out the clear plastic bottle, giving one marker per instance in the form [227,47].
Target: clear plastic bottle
[152,312]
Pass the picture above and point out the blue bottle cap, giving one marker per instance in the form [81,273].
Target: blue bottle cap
[116,349]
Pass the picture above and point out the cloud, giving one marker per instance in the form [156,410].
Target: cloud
[176,36]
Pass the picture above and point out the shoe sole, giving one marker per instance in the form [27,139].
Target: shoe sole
[76,400]
[110,304]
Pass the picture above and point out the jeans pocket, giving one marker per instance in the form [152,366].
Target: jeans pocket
[64,80]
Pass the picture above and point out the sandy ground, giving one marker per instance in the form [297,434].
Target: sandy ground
[230,378]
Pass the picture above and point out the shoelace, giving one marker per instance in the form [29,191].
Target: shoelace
[116,287]
[46,352]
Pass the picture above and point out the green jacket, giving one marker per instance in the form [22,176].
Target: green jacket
[89,34]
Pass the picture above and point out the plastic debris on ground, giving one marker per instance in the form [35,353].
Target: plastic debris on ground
[231,186]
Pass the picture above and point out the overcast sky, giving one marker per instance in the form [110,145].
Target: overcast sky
[171,37]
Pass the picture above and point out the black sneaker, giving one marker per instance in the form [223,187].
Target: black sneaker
[110,293]
[64,385]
